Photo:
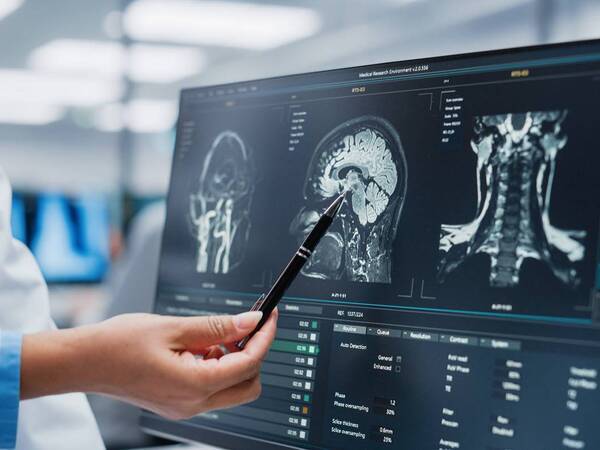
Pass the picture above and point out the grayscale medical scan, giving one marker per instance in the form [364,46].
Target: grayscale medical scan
[220,204]
[364,156]
[454,302]
[516,167]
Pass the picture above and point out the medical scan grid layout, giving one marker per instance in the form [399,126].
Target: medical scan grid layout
[453,302]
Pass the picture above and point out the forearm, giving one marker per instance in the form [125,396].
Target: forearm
[151,361]
[57,362]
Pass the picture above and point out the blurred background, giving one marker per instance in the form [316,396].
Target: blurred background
[88,105]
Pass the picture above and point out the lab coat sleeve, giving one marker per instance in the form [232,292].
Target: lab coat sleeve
[10,368]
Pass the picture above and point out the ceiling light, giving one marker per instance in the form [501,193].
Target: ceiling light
[7,7]
[163,64]
[80,57]
[230,24]
[142,63]
[150,116]
[28,86]
[29,113]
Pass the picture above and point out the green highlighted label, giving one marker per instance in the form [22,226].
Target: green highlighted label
[295,347]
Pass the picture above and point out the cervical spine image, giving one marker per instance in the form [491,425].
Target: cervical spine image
[219,209]
[516,168]
[365,157]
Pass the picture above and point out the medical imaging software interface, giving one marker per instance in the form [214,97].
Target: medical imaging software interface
[453,304]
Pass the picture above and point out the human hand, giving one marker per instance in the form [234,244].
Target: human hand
[152,361]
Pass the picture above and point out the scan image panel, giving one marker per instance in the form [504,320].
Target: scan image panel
[219,205]
[516,169]
[365,156]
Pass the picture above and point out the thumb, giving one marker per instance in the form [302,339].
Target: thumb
[199,332]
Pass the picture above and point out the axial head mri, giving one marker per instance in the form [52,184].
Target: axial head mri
[365,157]
[219,206]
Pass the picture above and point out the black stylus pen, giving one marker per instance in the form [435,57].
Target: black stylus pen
[267,302]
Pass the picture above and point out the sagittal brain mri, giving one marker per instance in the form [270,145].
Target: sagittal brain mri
[364,156]
[516,169]
[219,205]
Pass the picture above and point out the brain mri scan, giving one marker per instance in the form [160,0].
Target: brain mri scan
[365,157]
[516,168]
[219,205]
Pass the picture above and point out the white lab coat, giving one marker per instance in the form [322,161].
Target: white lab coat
[62,422]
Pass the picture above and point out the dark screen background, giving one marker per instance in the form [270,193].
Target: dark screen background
[441,190]
[279,190]
[574,204]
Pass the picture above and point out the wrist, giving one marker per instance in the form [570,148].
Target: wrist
[57,362]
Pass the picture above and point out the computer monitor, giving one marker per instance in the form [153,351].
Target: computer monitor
[454,303]
[69,235]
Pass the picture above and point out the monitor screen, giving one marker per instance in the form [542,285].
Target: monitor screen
[68,235]
[453,303]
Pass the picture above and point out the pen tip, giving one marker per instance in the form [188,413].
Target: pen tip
[336,205]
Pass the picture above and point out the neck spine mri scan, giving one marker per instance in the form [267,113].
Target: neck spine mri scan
[219,206]
[365,157]
[516,170]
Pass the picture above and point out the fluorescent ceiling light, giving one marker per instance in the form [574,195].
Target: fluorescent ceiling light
[29,113]
[150,116]
[163,64]
[222,23]
[28,86]
[142,63]
[79,57]
[7,7]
